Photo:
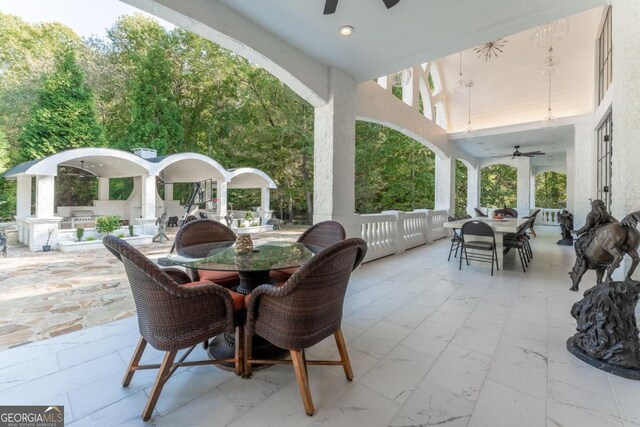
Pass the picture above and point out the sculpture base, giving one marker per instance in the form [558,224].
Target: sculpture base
[632,374]
[565,242]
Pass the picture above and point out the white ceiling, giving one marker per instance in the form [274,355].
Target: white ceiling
[412,32]
[552,141]
[511,89]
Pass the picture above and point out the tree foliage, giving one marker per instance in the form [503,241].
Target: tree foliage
[499,186]
[64,113]
[551,190]
[461,187]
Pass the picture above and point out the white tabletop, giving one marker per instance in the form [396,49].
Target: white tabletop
[507,225]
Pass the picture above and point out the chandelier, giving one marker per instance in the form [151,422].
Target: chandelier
[469,129]
[549,67]
[490,49]
[402,78]
[549,34]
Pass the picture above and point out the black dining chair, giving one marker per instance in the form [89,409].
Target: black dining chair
[520,242]
[455,240]
[474,229]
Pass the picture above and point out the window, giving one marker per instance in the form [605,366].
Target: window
[605,137]
[604,57]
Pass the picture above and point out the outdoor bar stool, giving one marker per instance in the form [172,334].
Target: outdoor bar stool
[319,236]
[473,229]
[455,240]
[174,315]
[305,310]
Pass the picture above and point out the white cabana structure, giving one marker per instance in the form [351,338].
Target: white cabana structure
[143,205]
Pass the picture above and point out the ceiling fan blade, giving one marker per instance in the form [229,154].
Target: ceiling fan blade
[390,3]
[504,155]
[533,153]
[330,7]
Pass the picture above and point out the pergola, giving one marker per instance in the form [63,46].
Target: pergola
[143,205]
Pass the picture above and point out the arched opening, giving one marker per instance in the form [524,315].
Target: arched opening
[499,186]
[551,190]
[393,171]
[461,188]
[75,187]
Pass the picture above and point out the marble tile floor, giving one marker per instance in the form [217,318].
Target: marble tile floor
[430,345]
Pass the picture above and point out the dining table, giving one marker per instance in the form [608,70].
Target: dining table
[500,227]
[253,270]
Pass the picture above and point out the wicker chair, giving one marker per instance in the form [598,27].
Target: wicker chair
[319,236]
[305,310]
[174,316]
[506,213]
[201,231]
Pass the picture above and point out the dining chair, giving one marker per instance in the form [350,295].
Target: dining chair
[479,213]
[201,232]
[455,240]
[174,316]
[519,242]
[533,215]
[319,236]
[305,310]
[506,213]
[468,232]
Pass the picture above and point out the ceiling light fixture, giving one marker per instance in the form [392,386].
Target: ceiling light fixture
[490,49]
[461,84]
[402,78]
[549,121]
[549,34]
[469,129]
[346,30]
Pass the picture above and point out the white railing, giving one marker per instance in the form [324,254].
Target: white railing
[548,216]
[393,232]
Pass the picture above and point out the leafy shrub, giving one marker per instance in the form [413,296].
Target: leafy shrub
[120,235]
[90,239]
[79,233]
[108,224]
[130,230]
[248,215]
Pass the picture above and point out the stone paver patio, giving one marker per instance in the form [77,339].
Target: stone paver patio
[46,294]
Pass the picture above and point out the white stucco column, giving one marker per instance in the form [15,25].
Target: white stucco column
[532,188]
[582,175]
[473,189]
[148,204]
[23,202]
[571,172]
[625,183]
[265,198]
[45,196]
[445,197]
[524,186]
[334,155]
[221,195]
[103,188]
[168,192]
[208,191]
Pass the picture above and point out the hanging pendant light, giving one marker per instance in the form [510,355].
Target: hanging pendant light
[550,120]
[402,78]
[469,130]
[460,85]
[549,34]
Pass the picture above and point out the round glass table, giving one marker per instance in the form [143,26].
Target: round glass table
[253,269]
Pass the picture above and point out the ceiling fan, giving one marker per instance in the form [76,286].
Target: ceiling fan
[82,173]
[519,153]
[331,5]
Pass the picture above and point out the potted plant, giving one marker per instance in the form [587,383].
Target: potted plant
[47,247]
[79,233]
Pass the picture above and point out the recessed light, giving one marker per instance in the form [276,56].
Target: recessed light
[346,30]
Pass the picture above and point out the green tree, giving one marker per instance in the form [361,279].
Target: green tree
[155,117]
[498,186]
[461,187]
[64,114]
[551,190]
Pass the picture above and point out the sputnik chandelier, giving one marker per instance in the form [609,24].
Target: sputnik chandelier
[491,49]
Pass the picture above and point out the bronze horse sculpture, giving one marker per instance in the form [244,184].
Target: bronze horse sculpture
[607,249]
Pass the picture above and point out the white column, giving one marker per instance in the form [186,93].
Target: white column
[584,172]
[445,197]
[23,202]
[45,196]
[148,196]
[570,165]
[208,191]
[264,198]
[524,185]
[103,188]
[221,195]
[532,189]
[473,189]
[168,192]
[334,155]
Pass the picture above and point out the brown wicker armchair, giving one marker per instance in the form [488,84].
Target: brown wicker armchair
[202,231]
[174,316]
[319,236]
[506,212]
[305,310]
